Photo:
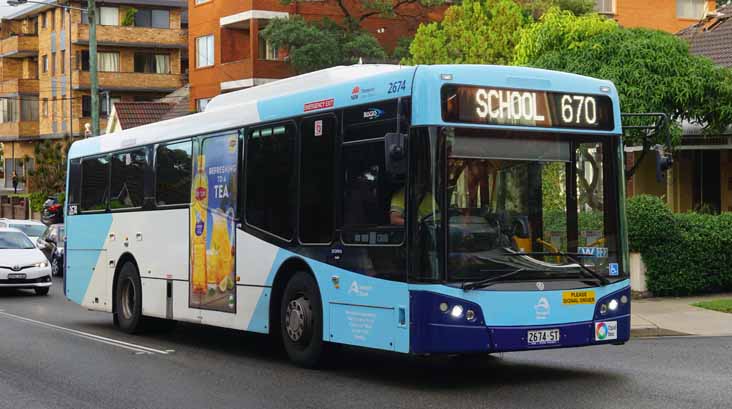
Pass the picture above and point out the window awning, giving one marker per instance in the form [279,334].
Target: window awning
[241,20]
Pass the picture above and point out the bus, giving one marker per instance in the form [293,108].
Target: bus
[447,209]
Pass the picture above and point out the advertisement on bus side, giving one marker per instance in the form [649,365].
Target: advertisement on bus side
[213,231]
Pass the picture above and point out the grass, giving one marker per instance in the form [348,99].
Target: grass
[724,305]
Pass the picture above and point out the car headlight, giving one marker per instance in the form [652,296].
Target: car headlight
[42,264]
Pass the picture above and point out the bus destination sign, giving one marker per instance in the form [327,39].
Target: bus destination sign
[501,106]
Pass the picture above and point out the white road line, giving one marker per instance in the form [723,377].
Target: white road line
[109,341]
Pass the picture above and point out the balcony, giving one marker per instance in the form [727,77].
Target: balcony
[19,86]
[18,130]
[123,36]
[129,81]
[19,46]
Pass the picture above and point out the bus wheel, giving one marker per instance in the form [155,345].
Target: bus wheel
[128,300]
[301,321]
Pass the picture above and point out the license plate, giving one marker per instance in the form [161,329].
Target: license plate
[16,276]
[543,337]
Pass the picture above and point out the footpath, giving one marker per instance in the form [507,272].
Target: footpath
[653,317]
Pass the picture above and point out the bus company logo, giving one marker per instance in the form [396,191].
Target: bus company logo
[323,104]
[542,309]
[354,92]
[606,330]
[373,113]
[359,290]
[201,193]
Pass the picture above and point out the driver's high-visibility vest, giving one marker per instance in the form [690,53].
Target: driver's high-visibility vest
[426,207]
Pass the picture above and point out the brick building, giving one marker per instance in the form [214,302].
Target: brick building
[227,52]
[666,15]
[44,67]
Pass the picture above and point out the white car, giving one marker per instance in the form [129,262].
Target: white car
[22,264]
[31,228]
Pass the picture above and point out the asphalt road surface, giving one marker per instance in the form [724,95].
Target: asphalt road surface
[54,354]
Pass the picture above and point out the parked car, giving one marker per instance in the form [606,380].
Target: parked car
[22,264]
[51,243]
[53,211]
[31,228]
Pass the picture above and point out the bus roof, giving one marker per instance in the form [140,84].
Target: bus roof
[340,87]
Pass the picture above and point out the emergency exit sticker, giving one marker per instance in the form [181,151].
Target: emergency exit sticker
[578,297]
[319,127]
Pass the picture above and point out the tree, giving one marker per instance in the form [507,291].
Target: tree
[316,45]
[49,175]
[365,9]
[663,76]
[537,8]
[474,32]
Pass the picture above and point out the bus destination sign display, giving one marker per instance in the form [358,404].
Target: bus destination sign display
[502,106]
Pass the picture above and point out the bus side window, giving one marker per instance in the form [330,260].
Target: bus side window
[270,179]
[317,210]
[173,167]
[128,179]
[94,184]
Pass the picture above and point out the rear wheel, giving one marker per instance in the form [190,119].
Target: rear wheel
[42,290]
[301,322]
[128,300]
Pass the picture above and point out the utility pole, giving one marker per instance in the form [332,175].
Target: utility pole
[93,72]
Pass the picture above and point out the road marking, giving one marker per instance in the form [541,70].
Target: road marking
[139,349]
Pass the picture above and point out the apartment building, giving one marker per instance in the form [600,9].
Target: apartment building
[228,53]
[665,15]
[44,67]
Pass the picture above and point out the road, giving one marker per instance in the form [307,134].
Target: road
[54,354]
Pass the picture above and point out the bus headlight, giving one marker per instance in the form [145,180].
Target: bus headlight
[603,309]
[470,315]
[444,307]
[457,311]
[613,305]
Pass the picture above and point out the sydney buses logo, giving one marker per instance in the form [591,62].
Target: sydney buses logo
[542,309]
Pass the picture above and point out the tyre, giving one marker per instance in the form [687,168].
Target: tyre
[301,322]
[128,300]
[42,290]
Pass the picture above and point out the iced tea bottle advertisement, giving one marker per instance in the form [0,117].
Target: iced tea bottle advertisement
[213,228]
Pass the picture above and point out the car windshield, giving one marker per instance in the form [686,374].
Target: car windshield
[31,230]
[14,240]
[540,205]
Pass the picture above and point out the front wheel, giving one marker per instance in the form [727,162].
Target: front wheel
[301,322]
[128,300]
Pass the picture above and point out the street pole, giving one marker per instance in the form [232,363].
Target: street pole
[93,72]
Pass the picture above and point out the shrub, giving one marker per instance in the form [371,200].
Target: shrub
[685,253]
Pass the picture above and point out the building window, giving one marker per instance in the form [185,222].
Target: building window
[173,167]
[266,50]
[53,64]
[43,21]
[8,110]
[152,63]
[86,106]
[605,6]
[691,9]
[108,62]
[201,104]
[45,107]
[109,16]
[152,18]
[63,62]
[205,51]
[44,66]
[28,110]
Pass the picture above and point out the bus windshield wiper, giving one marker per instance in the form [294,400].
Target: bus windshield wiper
[472,285]
[592,273]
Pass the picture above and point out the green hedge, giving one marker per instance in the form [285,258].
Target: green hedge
[686,253]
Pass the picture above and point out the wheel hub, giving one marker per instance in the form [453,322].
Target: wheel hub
[298,319]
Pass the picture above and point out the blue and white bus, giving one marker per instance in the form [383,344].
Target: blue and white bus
[446,209]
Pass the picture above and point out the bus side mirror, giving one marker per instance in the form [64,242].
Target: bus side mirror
[395,145]
[664,162]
